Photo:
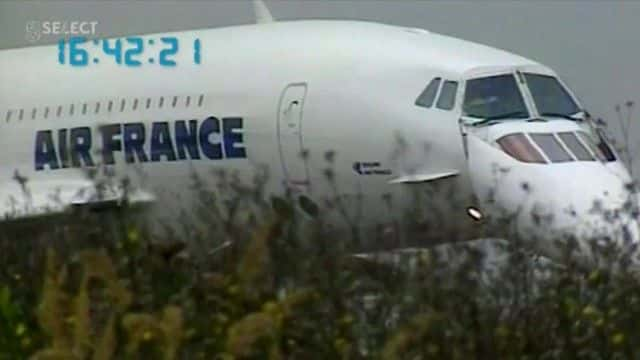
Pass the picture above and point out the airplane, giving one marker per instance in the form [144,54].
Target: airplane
[397,119]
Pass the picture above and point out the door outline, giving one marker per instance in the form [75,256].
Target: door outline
[285,159]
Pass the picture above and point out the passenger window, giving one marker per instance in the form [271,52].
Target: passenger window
[576,147]
[447,95]
[552,147]
[429,94]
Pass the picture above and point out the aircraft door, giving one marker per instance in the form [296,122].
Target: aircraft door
[290,113]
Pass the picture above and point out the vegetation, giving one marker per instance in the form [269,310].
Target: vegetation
[262,280]
[112,291]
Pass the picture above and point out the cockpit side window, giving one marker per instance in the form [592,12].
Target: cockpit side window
[428,95]
[575,146]
[595,149]
[519,147]
[550,96]
[551,147]
[604,146]
[447,95]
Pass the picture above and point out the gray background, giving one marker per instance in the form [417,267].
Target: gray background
[594,46]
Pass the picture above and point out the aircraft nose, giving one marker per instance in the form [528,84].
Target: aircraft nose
[598,211]
[550,203]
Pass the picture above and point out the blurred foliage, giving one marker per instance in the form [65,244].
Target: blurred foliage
[261,279]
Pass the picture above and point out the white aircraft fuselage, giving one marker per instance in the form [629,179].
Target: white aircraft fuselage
[283,97]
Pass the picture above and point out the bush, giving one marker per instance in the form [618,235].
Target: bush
[261,280]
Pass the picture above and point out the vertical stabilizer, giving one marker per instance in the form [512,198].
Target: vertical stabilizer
[262,12]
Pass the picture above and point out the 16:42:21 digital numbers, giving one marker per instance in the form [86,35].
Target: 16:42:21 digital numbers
[130,51]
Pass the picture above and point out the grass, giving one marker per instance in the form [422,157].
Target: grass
[101,287]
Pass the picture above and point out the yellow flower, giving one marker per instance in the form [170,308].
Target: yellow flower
[347,319]
[221,318]
[233,289]
[502,331]
[133,235]
[589,310]
[20,329]
[617,338]
[340,344]
[270,307]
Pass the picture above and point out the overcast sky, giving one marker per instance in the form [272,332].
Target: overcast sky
[593,45]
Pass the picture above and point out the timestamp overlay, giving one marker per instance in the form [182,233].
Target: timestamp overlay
[130,51]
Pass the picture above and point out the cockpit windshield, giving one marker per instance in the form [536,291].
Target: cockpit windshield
[550,97]
[493,98]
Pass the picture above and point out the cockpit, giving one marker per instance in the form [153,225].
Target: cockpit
[501,97]
[533,97]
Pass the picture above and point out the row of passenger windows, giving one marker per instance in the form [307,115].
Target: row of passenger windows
[103,106]
[446,94]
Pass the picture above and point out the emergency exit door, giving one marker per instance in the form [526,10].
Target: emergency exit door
[290,114]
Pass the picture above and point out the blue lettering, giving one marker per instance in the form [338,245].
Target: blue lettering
[45,151]
[161,144]
[210,126]
[63,148]
[187,139]
[80,138]
[233,141]
[216,139]
[110,142]
[134,142]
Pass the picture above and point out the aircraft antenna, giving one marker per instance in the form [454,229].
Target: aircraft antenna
[262,13]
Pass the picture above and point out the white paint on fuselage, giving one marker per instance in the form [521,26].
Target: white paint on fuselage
[361,83]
